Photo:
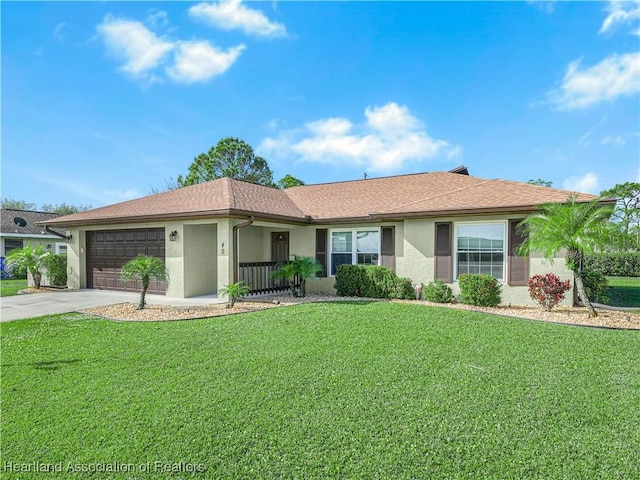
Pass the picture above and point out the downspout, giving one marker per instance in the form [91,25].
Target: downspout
[52,232]
[235,245]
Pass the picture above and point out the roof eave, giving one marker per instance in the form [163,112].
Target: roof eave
[229,213]
[458,212]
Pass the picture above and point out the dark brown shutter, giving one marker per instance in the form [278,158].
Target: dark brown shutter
[518,265]
[387,248]
[444,263]
[321,250]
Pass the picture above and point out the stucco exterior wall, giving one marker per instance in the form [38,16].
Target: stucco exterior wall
[252,241]
[303,242]
[200,261]
[415,249]
[196,252]
[419,258]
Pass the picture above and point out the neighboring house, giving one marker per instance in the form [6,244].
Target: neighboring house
[423,226]
[18,227]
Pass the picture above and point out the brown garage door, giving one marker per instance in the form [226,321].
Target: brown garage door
[109,250]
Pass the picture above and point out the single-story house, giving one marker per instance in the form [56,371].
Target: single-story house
[424,226]
[19,227]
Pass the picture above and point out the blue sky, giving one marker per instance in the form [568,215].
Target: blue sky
[103,101]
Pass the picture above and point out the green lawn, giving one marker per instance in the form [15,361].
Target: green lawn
[329,390]
[11,287]
[624,291]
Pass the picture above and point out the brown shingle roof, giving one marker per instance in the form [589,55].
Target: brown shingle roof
[434,194]
[221,197]
[426,194]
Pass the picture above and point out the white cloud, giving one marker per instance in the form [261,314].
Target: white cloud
[123,195]
[616,141]
[389,138]
[232,15]
[199,61]
[272,124]
[547,6]
[130,41]
[620,13]
[157,18]
[142,51]
[615,76]
[588,183]
[58,32]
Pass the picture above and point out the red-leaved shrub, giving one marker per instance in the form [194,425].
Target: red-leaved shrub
[548,290]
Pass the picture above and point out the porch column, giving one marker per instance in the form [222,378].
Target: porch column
[174,260]
[225,252]
[77,260]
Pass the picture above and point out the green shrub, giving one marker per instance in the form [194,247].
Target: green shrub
[615,264]
[595,285]
[56,269]
[478,289]
[371,281]
[350,280]
[404,289]
[438,292]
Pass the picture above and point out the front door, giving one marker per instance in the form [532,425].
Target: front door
[280,246]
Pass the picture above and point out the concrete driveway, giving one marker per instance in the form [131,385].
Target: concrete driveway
[65,301]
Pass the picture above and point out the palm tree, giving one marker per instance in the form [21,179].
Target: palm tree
[286,271]
[145,268]
[306,267]
[301,268]
[234,291]
[28,258]
[579,228]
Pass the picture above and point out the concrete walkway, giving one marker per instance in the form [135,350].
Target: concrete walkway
[65,301]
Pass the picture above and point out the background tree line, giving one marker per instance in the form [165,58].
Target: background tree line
[59,208]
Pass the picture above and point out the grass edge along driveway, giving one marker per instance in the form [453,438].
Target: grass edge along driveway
[365,390]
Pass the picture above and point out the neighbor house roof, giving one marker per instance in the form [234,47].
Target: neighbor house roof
[402,196]
[12,221]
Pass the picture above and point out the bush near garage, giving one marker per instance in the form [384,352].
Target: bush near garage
[56,265]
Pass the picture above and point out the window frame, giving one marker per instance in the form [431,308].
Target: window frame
[354,245]
[505,246]
[4,245]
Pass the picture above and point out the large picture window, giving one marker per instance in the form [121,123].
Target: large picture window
[354,247]
[480,249]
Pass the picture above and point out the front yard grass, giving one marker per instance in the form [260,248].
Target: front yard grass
[326,390]
[12,287]
[624,291]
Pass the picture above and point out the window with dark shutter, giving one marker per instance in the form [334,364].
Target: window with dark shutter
[443,259]
[387,248]
[518,265]
[321,250]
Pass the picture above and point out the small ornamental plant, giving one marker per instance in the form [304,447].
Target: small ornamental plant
[548,290]
[234,291]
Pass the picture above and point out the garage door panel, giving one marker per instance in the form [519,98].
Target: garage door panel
[109,250]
